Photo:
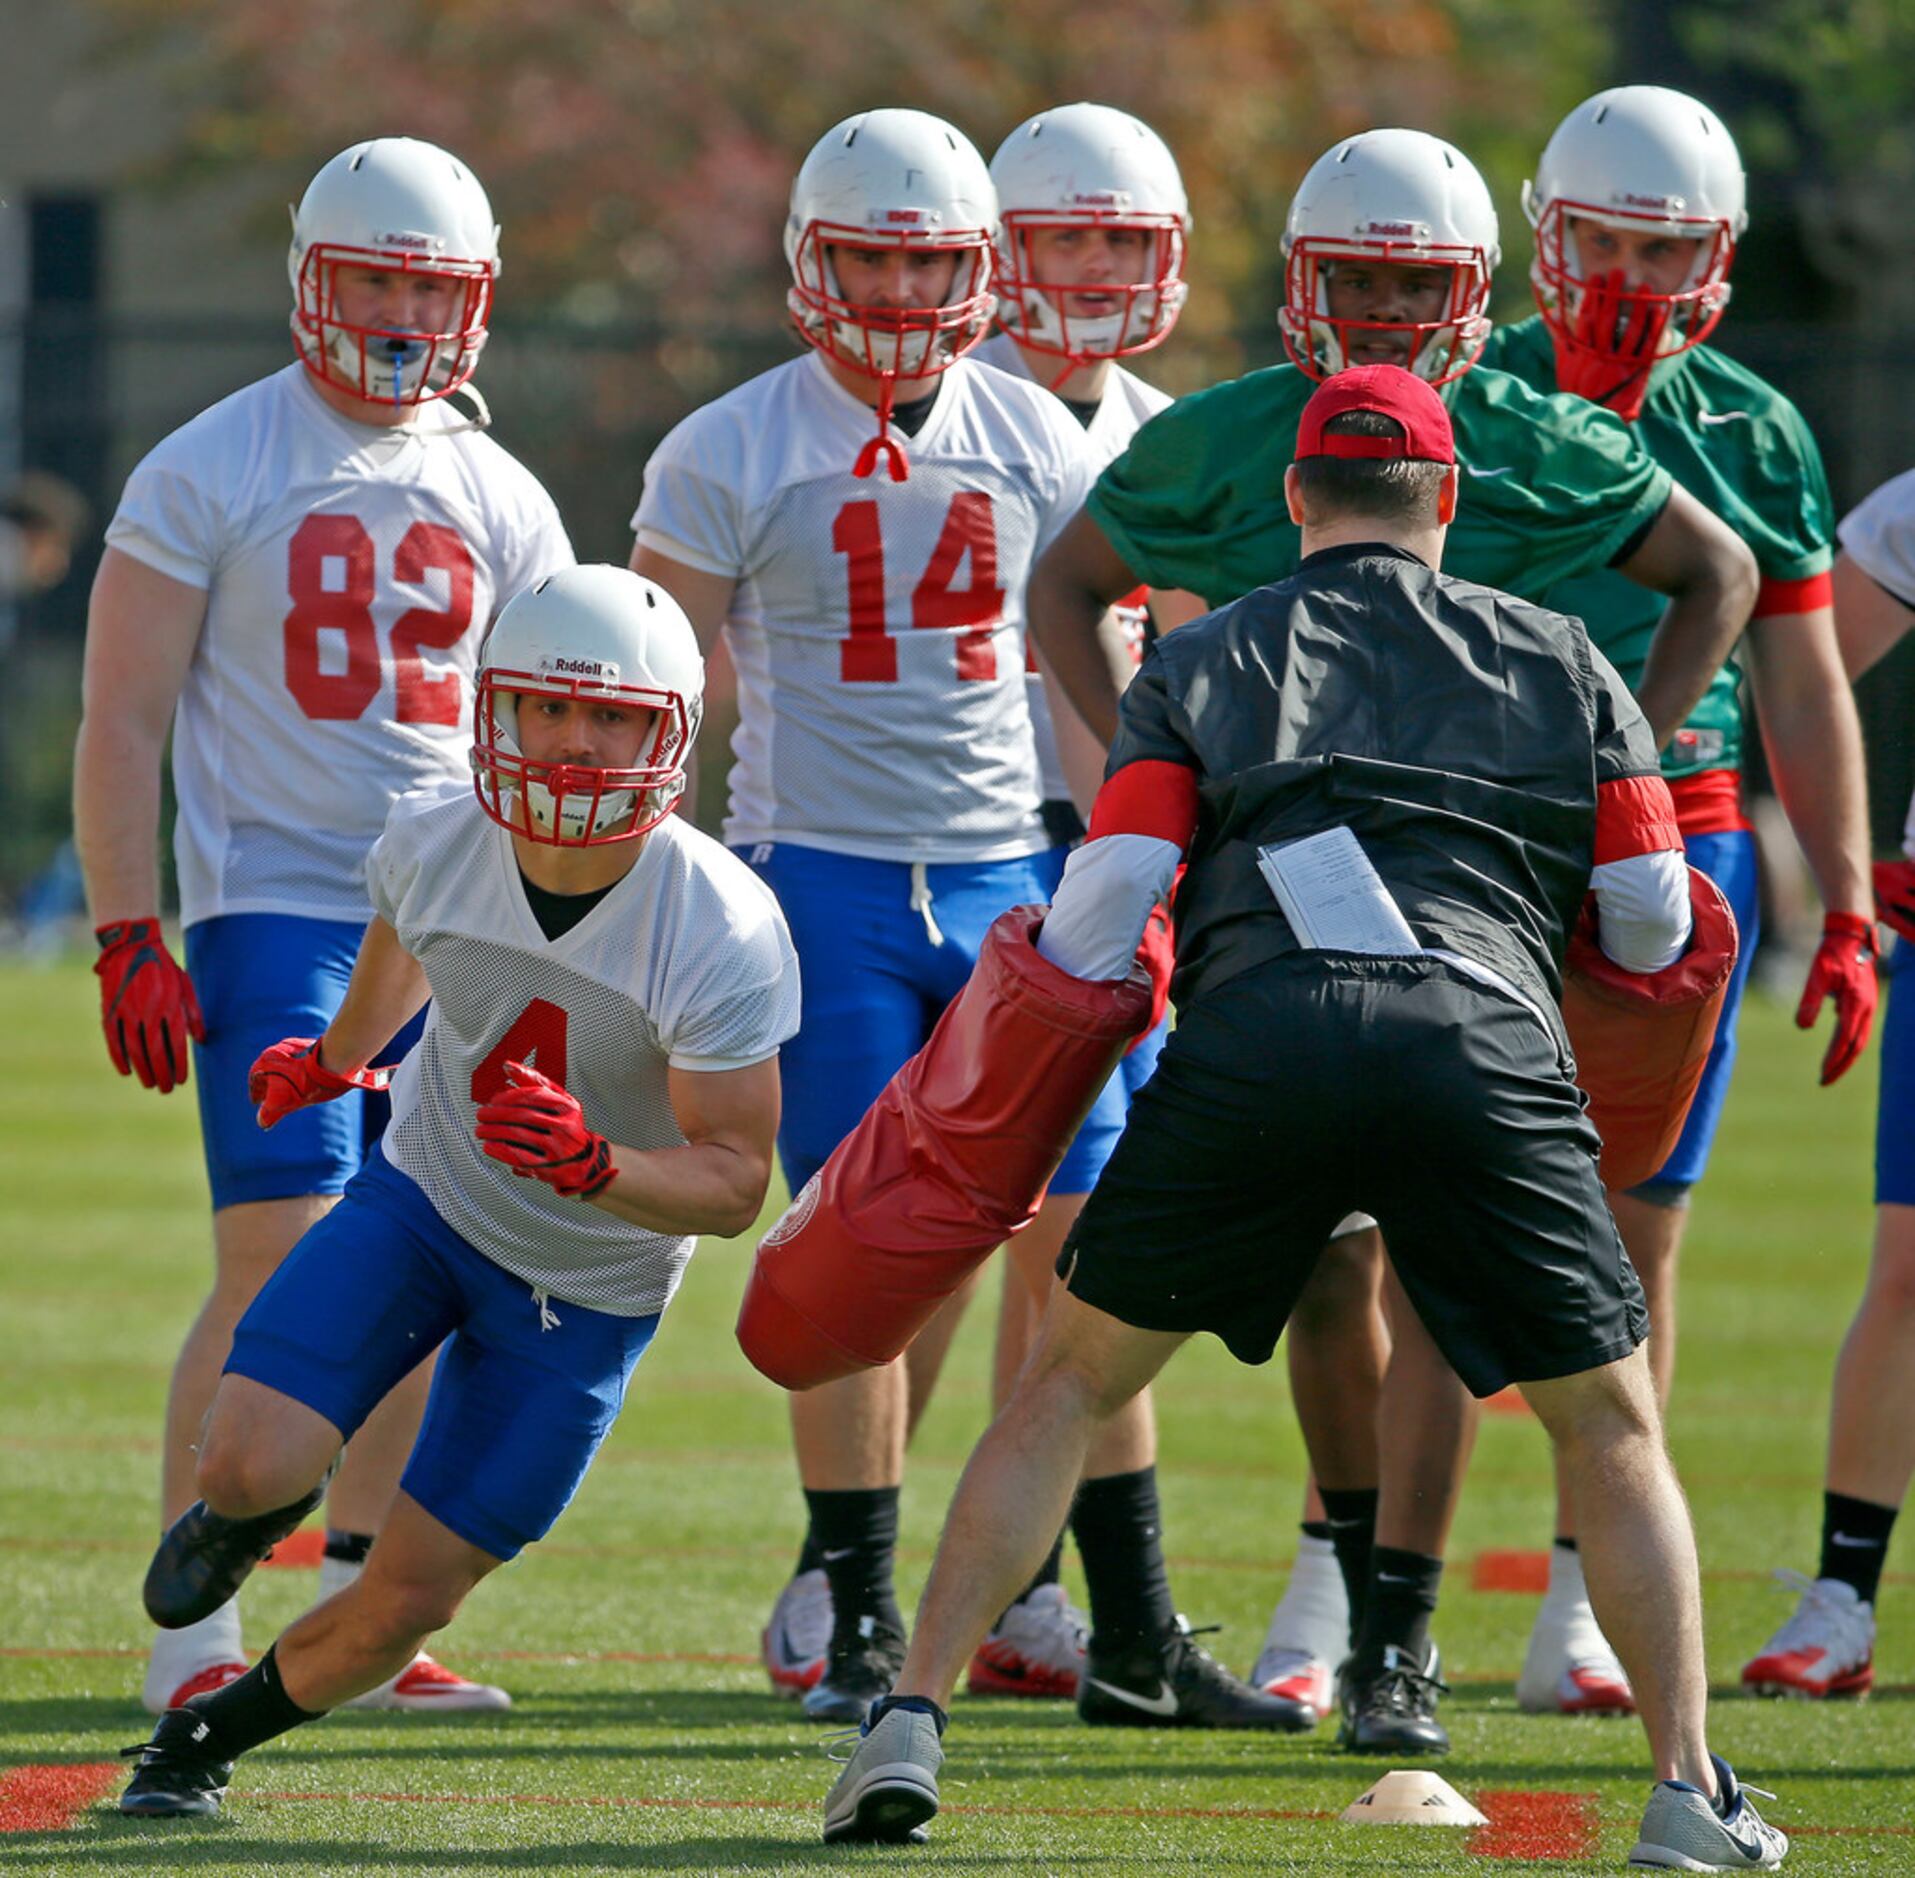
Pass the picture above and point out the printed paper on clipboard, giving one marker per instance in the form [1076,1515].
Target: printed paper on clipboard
[1333,898]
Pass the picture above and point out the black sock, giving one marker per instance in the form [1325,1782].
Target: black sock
[810,1556]
[1563,1545]
[856,1534]
[1855,1542]
[921,1703]
[350,1547]
[1119,1534]
[1350,1513]
[1403,1589]
[253,1709]
[1049,1573]
[1317,1529]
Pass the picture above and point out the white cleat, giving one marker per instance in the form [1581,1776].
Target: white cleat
[1037,1648]
[797,1635]
[425,1686]
[201,1682]
[193,1661]
[1826,1649]
[1569,1668]
[1309,1632]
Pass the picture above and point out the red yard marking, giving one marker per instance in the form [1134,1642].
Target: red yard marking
[1526,1572]
[52,1797]
[1536,1825]
[302,1552]
[1507,1402]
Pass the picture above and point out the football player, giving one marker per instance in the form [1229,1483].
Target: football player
[1389,250]
[861,522]
[1827,1647]
[297,582]
[1638,203]
[596,1084]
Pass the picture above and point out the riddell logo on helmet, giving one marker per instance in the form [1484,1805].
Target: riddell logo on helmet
[399,238]
[1401,231]
[580,668]
[911,216]
[1102,198]
[1672,204]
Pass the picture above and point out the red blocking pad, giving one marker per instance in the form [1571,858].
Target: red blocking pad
[51,1798]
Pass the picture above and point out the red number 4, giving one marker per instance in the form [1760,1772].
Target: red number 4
[535,1037]
[347,609]
[870,654]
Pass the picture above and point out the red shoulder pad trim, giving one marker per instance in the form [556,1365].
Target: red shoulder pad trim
[1635,815]
[1148,798]
[1778,597]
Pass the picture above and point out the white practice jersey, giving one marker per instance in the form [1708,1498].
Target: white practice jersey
[1126,406]
[878,626]
[351,573]
[685,964]
[1879,537]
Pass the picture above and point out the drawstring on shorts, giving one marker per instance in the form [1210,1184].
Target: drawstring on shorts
[921,902]
[548,1318]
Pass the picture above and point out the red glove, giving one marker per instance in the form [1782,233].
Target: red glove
[1616,340]
[538,1128]
[147,1006]
[1843,969]
[1157,954]
[1895,896]
[290,1076]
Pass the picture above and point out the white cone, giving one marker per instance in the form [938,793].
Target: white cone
[1412,1799]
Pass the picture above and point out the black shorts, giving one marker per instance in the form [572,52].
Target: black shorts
[1317,1086]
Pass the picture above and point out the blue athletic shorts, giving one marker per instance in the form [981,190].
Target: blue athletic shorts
[875,982]
[261,977]
[1730,861]
[1895,1115]
[526,1388]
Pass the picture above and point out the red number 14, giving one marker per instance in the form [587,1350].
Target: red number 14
[870,654]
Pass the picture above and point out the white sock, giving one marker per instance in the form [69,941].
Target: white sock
[179,1655]
[1314,1612]
[1566,1584]
[335,1574]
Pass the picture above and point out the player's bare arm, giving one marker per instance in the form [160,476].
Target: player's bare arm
[388,988]
[142,626]
[1076,580]
[1711,580]
[706,599]
[1869,620]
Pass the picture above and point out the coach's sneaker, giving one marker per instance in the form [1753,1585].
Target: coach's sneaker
[1169,1682]
[426,1686]
[1390,1708]
[794,1642]
[858,1670]
[1037,1648]
[1826,1649]
[889,1787]
[181,1774]
[1309,1631]
[1569,1668]
[205,1557]
[1684,1830]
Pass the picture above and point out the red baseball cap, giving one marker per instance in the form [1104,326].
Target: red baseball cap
[1389,391]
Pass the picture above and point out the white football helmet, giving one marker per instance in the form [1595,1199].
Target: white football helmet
[1089,166]
[399,204]
[1401,197]
[601,633]
[892,179]
[1649,160]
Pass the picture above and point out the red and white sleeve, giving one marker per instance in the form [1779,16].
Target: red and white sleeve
[1640,879]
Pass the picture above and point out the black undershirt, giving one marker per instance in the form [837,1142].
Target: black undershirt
[558,913]
[1083,409]
[909,418]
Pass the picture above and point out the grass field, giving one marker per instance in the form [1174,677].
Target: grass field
[645,1737]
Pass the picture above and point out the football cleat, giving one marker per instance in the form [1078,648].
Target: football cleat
[426,1686]
[1390,1708]
[203,1682]
[1826,1649]
[180,1775]
[858,1670]
[794,1642]
[889,1787]
[1169,1682]
[1683,1830]
[205,1557]
[1309,1631]
[1569,1668]
[1037,1648]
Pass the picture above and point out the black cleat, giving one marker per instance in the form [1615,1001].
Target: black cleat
[1168,1682]
[180,1775]
[205,1557]
[1391,1708]
[859,1668]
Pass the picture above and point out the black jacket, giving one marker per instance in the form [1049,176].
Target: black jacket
[1460,733]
